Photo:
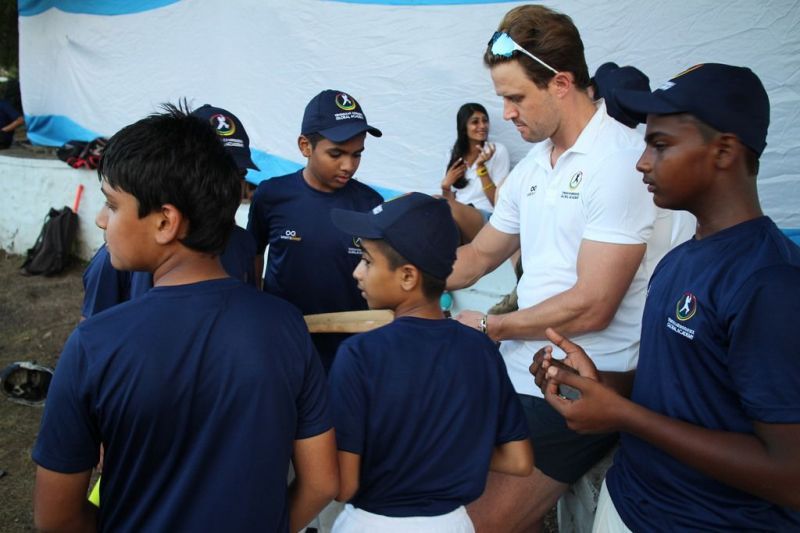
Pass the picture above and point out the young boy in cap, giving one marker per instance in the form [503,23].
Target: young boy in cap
[711,434]
[200,390]
[104,286]
[423,407]
[309,261]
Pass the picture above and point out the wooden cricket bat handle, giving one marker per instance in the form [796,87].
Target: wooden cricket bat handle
[348,321]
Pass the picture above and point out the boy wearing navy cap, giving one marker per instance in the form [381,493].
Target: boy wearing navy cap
[423,407]
[201,390]
[104,286]
[711,433]
[309,261]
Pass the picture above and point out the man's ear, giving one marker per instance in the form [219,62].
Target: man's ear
[410,277]
[562,83]
[728,149]
[305,146]
[171,225]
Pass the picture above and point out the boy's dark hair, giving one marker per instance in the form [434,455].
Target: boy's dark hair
[432,287]
[550,36]
[174,158]
[313,139]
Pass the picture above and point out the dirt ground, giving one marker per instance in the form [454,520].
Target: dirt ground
[37,314]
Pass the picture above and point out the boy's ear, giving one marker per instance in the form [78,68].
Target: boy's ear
[305,146]
[171,224]
[410,277]
[728,149]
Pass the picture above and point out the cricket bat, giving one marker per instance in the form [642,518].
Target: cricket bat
[348,321]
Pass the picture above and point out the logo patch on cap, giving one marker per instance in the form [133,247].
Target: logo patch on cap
[345,102]
[223,125]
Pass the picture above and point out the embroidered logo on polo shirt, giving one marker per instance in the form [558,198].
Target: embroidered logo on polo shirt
[685,309]
[574,183]
[223,125]
[290,235]
[531,191]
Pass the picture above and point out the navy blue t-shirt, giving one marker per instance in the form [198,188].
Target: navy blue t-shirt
[310,262]
[424,403]
[104,286]
[719,349]
[7,115]
[197,393]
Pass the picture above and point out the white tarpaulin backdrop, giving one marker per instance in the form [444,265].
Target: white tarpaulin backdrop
[91,67]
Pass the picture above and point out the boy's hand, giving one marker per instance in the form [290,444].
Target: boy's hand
[595,410]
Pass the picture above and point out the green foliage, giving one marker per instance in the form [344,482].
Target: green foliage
[9,38]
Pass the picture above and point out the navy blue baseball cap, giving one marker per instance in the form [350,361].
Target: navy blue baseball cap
[337,116]
[727,98]
[230,132]
[419,227]
[611,78]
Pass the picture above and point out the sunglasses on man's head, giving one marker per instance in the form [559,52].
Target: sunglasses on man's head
[503,45]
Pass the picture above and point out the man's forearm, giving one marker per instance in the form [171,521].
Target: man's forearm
[467,269]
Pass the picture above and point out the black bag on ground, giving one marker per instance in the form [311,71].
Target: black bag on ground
[52,251]
[82,154]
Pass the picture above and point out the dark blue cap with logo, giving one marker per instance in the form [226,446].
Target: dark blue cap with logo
[419,227]
[230,132]
[727,98]
[337,116]
[611,78]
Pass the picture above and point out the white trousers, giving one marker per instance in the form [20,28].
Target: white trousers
[354,520]
[607,519]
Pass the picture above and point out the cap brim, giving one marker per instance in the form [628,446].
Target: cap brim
[345,132]
[356,224]
[244,162]
[644,103]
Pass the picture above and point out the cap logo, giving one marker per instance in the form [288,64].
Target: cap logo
[377,209]
[687,71]
[666,85]
[223,125]
[345,102]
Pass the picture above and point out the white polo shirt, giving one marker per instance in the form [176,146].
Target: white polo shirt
[594,193]
[473,193]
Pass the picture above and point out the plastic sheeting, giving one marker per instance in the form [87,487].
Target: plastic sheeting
[88,71]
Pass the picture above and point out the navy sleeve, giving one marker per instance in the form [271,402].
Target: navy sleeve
[313,414]
[764,354]
[348,400]
[69,438]
[256,219]
[511,425]
[103,285]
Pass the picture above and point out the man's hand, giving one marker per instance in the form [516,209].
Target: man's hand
[595,410]
[475,320]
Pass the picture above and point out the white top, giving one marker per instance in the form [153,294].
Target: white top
[595,193]
[497,166]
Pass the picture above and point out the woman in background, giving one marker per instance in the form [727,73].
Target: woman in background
[476,168]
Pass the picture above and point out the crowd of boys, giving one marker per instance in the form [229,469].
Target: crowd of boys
[201,390]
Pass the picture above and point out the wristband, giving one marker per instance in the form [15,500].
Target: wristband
[487,187]
[482,171]
[483,324]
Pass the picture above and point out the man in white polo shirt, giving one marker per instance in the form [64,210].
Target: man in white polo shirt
[577,209]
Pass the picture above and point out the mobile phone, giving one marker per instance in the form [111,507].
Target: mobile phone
[565,391]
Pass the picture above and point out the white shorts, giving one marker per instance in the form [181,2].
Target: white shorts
[606,518]
[354,520]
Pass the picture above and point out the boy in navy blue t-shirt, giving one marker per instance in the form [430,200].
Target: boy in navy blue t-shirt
[200,390]
[710,437]
[310,261]
[104,286]
[423,407]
